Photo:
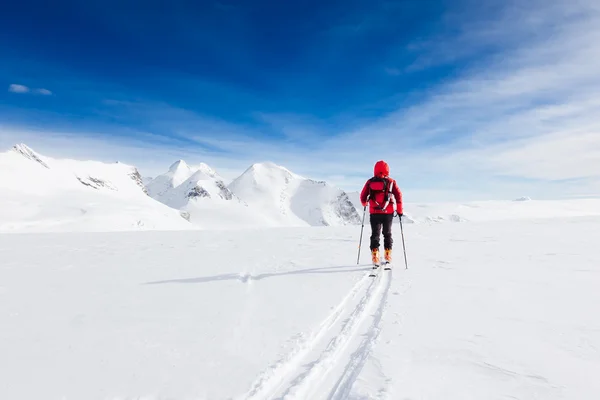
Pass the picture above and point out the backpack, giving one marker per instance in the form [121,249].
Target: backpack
[379,192]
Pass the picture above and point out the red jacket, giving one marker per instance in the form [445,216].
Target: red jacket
[378,200]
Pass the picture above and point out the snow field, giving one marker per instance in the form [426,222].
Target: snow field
[494,310]
[486,310]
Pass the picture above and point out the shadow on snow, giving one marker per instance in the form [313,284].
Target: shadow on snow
[245,277]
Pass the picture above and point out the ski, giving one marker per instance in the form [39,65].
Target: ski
[375,270]
[388,266]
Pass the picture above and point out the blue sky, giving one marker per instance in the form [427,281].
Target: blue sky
[463,100]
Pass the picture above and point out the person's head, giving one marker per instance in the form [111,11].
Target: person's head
[381,169]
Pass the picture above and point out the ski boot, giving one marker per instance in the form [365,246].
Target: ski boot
[388,255]
[388,259]
[375,257]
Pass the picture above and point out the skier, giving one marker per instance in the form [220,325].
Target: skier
[378,191]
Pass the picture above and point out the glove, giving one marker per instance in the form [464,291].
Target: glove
[399,214]
[364,203]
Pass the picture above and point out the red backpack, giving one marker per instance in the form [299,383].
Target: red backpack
[379,192]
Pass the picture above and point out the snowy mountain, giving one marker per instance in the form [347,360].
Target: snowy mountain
[201,194]
[39,193]
[292,199]
[183,183]
[178,172]
[355,199]
[264,195]
[207,202]
[198,186]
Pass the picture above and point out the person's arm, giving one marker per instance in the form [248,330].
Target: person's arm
[363,194]
[398,195]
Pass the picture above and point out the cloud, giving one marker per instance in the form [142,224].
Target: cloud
[527,118]
[15,88]
[44,92]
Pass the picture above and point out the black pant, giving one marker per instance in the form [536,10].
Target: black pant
[379,221]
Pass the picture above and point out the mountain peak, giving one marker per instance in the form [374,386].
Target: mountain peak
[28,153]
[266,165]
[177,165]
[206,169]
[269,168]
[201,175]
[173,186]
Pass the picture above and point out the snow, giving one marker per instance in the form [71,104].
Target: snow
[42,194]
[489,309]
[108,294]
[178,172]
[495,310]
[292,200]
[265,195]
[39,193]
[497,210]
[479,211]
[523,198]
[197,186]
[211,205]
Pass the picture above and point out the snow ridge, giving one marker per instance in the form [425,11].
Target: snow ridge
[73,195]
[28,153]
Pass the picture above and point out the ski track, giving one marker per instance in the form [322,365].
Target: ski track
[308,371]
[272,378]
[359,357]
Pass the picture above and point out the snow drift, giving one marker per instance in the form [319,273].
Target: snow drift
[39,193]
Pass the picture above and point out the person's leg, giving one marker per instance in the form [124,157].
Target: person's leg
[386,222]
[376,225]
[388,241]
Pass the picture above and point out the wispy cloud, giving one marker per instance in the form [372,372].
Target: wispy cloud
[44,92]
[16,88]
[530,112]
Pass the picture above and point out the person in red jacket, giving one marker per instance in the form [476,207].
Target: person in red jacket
[383,195]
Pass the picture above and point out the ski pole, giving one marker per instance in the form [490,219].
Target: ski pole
[403,246]
[361,234]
